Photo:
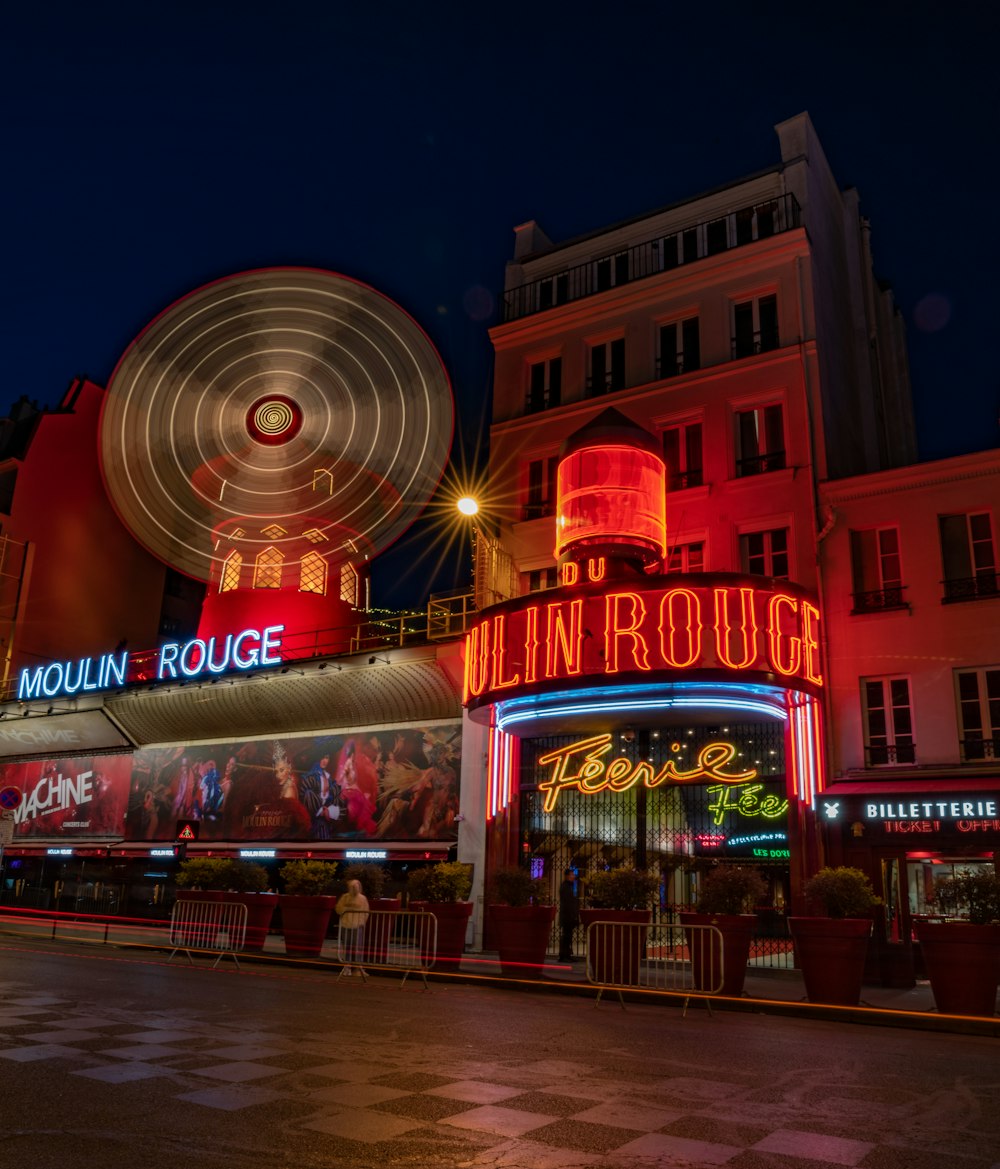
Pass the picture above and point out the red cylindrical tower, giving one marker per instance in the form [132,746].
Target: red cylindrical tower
[611,496]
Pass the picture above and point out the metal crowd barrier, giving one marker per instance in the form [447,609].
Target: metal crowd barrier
[389,939]
[687,960]
[215,927]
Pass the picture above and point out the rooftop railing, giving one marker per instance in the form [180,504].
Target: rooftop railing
[674,250]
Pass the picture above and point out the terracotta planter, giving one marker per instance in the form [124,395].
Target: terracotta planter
[522,936]
[831,955]
[379,930]
[452,922]
[963,965]
[614,956]
[709,954]
[305,921]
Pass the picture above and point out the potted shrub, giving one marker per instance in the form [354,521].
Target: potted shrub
[522,920]
[726,901]
[619,898]
[443,890]
[211,878]
[831,949]
[382,920]
[962,956]
[306,905]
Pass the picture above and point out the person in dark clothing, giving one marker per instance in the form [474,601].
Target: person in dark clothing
[569,915]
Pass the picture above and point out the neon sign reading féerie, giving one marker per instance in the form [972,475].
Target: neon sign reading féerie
[729,623]
[241,651]
[594,775]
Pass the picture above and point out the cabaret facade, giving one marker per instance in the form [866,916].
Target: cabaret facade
[656,695]
[211,678]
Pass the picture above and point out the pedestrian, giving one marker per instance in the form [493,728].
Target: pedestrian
[352,910]
[569,915]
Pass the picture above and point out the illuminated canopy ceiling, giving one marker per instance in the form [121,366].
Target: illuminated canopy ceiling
[291,395]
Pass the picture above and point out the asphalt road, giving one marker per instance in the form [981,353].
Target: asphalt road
[116,1060]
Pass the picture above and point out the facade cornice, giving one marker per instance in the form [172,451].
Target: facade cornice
[980,465]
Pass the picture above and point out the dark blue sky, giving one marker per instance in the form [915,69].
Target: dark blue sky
[152,147]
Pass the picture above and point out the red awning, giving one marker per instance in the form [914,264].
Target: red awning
[928,786]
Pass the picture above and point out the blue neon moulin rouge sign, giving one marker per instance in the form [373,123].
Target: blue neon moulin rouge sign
[246,650]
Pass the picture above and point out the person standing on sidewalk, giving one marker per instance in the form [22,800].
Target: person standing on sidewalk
[569,915]
[352,910]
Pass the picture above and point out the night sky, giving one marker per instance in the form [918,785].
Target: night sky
[150,148]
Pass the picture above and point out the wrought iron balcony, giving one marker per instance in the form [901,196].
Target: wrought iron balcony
[685,479]
[536,509]
[759,464]
[737,228]
[971,588]
[977,749]
[763,341]
[889,754]
[879,600]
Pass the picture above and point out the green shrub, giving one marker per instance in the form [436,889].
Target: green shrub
[449,881]
[731,889]
[622,888]
[372,877]
[516,886]
[309,878]
[219,873]
[975,892]
[841,892]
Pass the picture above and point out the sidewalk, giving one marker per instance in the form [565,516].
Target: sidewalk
[766,991]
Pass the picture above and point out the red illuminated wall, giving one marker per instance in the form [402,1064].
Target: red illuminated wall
[90,586]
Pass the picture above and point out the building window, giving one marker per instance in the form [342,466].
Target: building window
[979,712]
[680,348]
[541,497]
[553,290]
[610,271]
[542,578]
[350,585]
[312,577]
[969,560]
[682,455]
[888,724]
[607,367]
[267,570]
[686,558]
[760,440]
[876,570]
[230,578]
[755,326]
[544,384]
[765,553]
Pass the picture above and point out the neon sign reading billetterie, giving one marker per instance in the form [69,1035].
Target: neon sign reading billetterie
[241,651]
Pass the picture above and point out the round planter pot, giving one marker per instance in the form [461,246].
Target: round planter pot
[452,923]
[614,955]
[710,954]
[963,965]
[304,921]
[522,935]
[260,910]
[831,955]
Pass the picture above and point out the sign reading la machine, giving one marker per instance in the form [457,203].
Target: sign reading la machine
[240,651]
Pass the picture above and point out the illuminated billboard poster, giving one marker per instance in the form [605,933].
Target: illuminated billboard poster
[70,797]
[367,785]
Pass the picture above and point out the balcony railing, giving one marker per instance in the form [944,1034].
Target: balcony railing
[975,750]
[684,479]
[537,509]
[759,464]
[763,341]
[879,600]
[971,588]
[890,754]
[744,226]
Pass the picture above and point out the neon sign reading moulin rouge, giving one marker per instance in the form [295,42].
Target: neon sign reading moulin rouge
[592,774]
[241,651]
[692,626]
